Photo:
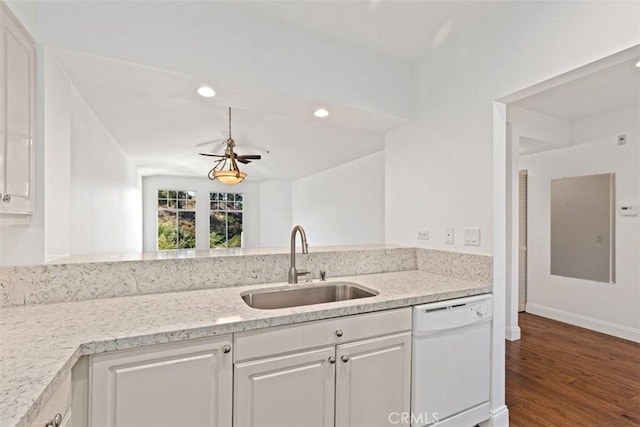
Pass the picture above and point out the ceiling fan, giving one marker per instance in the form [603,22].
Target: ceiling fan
[225,169]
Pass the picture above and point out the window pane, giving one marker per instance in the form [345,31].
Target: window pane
[172,194]
[235,229]
[213,196]
[239,197]
[230,206]
[163,194]
[162,203]
[238,206]
[191,205]
[167,236]
[186,230]
[171,204]
[191,195]
[182,204]
[222,196]
[182,195]
[217,230]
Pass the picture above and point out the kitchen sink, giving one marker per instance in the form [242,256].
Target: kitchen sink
[296,296]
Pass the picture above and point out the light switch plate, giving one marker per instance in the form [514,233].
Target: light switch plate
[448,235]
[472,236]
[423,235]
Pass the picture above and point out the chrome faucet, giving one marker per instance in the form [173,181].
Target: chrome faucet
[293,273]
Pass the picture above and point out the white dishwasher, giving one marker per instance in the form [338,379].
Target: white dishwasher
[451,359]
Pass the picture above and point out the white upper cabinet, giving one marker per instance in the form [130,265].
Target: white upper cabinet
[17,116]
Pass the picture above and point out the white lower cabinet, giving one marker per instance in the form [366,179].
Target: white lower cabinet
[293,390]
[56,412]
[373,381]
[353,371]
[181,384]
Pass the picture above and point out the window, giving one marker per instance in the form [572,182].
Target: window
[176,219]
[225,220]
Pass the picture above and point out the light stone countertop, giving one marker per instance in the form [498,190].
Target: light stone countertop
[40,343]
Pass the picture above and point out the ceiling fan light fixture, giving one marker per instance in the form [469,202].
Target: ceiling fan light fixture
[206,92]
[225,169]
[321,113]
[229,177]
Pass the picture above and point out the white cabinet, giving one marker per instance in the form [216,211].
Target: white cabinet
[351,371]
[373,381]
[57,408]
[17,114]
[286,391]
[187,383]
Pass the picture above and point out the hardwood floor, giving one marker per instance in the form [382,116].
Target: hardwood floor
[561,375]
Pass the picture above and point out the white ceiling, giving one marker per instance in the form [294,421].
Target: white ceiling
[609,89]
[160,122]
[403,29]
[612,88]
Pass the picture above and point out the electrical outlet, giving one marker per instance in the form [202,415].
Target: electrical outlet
[448,235]
[622,139]
[423,235]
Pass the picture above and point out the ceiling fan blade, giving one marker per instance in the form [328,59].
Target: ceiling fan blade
[244,161]
[249,156]
[212,155]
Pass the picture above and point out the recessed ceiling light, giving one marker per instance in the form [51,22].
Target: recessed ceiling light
[321,112]
[638,64]
[206,92]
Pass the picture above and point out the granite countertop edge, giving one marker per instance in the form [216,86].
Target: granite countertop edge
[396,290]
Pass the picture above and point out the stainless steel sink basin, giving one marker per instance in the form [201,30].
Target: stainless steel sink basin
[296,296]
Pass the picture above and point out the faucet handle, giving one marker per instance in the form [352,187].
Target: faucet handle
[323,275]
[305,273]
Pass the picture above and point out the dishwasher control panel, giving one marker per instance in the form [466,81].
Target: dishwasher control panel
[452,313]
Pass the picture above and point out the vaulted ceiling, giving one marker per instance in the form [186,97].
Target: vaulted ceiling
[138,64]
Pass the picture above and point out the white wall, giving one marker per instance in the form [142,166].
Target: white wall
[343,205]
[106,206]
[57,162]
[203,186]
[610,308]
[439,166]
[86,187]
[275,213]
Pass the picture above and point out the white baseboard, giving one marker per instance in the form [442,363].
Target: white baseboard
[620,331]
[498,418]
[512,333]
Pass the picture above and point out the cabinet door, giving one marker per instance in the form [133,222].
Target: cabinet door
[58,403]
[17,76]
[373,381]
[289,390]
[179,384]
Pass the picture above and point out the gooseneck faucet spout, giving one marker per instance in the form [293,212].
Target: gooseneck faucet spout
[293,273]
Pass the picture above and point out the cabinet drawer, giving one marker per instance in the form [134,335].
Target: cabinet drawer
[283,339]
[58,403]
